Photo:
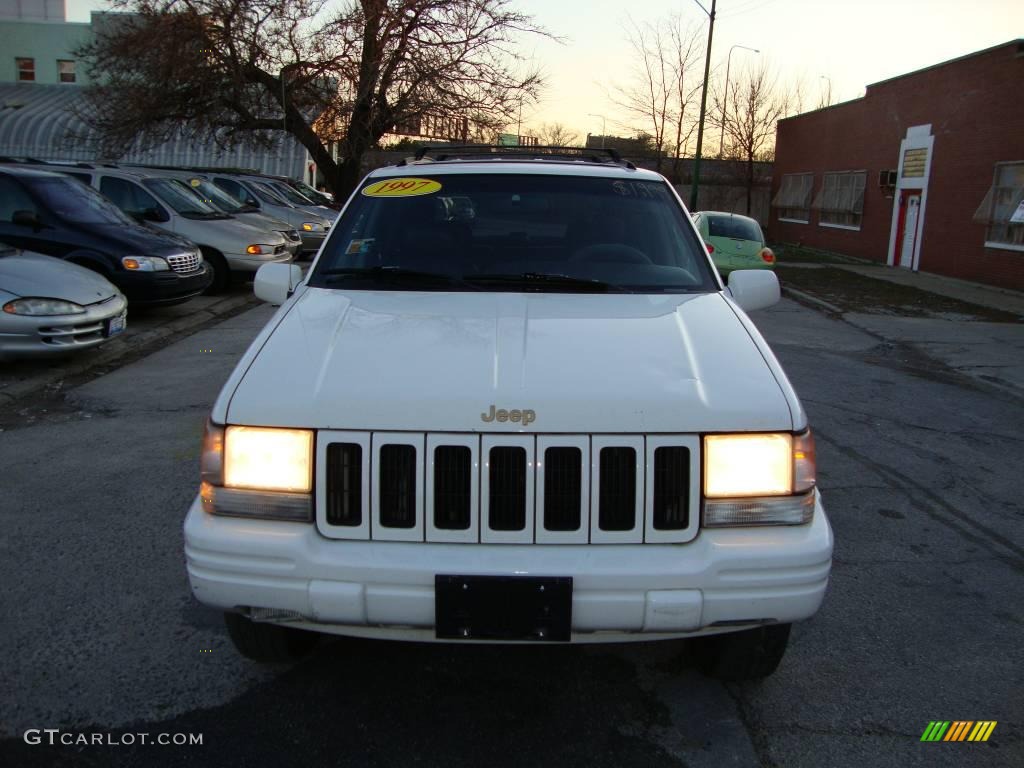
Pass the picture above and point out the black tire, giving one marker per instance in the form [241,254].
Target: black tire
[268,643]
[751,654]
[221,273]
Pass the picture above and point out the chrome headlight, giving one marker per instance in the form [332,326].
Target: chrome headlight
[40,307]
[759,479]
[144,263]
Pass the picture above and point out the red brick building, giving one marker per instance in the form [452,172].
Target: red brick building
[926,171]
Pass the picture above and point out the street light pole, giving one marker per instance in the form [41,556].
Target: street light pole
[725,103]
[591,114]
[703,106]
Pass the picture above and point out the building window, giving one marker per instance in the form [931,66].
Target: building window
[794,197]
[65,71]
[840,202]
[26,70]
[1002,210]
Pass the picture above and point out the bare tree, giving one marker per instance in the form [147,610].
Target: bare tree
[749,113]
[243,71]
[557,135]
[665,83]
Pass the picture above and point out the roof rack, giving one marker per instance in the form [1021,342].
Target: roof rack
[496,152]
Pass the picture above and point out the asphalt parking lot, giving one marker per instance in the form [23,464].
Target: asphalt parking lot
[923,620]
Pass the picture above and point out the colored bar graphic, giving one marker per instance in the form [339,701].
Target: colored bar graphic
[958,730]
[935,730]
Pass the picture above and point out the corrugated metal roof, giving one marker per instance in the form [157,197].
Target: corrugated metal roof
[39,120]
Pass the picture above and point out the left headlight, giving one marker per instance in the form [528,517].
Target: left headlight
[311,226]
[257,472]
[39,307]
[759,479]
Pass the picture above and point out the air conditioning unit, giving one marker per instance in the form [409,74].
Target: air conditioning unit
[887,178]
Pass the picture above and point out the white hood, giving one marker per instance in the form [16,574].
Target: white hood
[380,360]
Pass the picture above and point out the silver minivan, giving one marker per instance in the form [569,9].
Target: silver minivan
[313,228]
[228,244]
[200,185]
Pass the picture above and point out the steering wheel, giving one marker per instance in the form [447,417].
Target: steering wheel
[611,252]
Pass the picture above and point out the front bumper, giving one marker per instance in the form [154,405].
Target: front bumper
[311,241]
[723,580]
[167,287]
[24,335]
[243,262]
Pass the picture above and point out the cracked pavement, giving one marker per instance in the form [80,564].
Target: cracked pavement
[919,470]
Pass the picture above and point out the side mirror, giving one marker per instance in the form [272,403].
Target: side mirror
[274,283]
[27,219]
[754,289]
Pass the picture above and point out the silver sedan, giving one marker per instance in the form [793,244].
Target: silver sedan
[50,306]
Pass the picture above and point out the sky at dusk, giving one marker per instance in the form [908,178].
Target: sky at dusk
[850,42]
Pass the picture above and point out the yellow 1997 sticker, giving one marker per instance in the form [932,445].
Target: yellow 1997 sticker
[404,187]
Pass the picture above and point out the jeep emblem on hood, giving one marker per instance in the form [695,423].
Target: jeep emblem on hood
[526,417]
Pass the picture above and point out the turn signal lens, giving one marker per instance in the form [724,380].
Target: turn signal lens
[804,463]
[268,459]
[255,250]
[710,247]
[768,255]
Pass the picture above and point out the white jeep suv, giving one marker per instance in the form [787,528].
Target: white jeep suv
[511,402]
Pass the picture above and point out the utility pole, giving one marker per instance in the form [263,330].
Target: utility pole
[703,105]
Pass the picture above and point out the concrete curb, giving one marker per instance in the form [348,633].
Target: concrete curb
[806,298]
[118,349]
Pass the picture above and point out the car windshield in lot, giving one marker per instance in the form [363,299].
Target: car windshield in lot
[74,201]
[736,227]
[214,196]
[176,195]
[289,194]
[515,233]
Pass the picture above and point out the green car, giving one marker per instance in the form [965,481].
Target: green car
[734,241]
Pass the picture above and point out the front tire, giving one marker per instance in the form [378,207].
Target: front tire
[751,654]
[268,643]
[221,273]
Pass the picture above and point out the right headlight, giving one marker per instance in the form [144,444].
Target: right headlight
[144,263]
[758,479]
[257,472]
[311,226]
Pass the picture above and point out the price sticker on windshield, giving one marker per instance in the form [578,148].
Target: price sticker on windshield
[402,188]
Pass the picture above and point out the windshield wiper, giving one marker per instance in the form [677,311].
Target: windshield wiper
[393,274]
[539,281]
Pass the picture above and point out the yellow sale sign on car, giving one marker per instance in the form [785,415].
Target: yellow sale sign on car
[405,187]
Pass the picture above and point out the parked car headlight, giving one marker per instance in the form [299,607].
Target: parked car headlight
[39,307]
[311,226]
[144,263]
[759,479]
[257,472]
[256,250]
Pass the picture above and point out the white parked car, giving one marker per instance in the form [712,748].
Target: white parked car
[49,306]
[522,408]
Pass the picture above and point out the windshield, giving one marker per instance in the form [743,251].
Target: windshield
[176,195]
[269,193]
[289,194]
[736,227]
[74,201]
[516,232]
[213,195]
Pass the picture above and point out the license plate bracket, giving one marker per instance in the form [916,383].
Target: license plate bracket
[519,608]
[115,325]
